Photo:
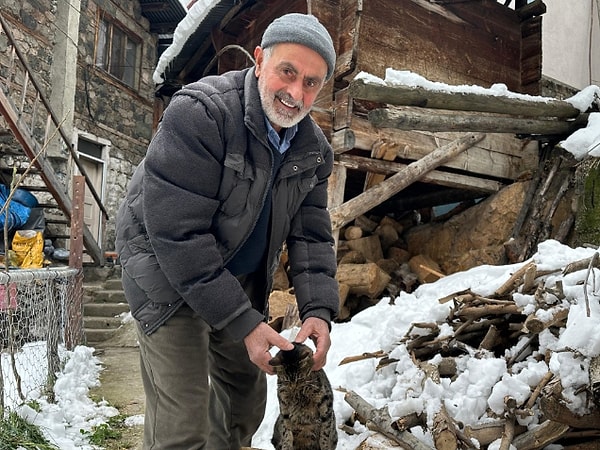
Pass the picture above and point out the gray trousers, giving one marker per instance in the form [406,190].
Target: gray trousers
[186,411]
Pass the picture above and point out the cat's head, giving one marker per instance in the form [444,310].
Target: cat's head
[294,363]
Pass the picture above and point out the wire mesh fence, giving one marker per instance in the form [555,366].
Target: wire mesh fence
[40,315]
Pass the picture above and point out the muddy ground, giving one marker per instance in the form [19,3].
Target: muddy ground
[121,384]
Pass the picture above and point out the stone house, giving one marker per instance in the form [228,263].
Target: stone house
[85,68]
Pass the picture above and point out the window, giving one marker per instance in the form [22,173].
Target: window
[118,52]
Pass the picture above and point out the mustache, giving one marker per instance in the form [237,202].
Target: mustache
[288,100]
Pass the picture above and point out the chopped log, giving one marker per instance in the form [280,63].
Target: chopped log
[278,303]
[353,257]
[444,431]
[477,312]
[353,232]
[538,390]
[382,422]
[508,433]
[485,433]
[417,96]
[429,120]
[388,265]
[582,264]
[398,254]
[545,434]
[362,203]
[365,224]
[447,367]
[369,246]
[281,282]
[388,235]
[536,325]
[385,150]
[513,281]
[529,279]
[407,422]
[363,279]
[490,338]
[426,269]
[291,318]
[552,405]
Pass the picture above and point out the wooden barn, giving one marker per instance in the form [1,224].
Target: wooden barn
[403,150]
[441,147]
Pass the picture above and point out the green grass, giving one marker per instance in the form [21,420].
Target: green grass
[105,432]
[16,432]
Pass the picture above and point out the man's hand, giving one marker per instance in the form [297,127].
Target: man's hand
[259,342]
[318,331]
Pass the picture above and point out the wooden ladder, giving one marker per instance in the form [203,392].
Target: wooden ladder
[27,115]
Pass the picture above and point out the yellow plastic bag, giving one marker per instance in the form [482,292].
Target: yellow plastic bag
[29,248]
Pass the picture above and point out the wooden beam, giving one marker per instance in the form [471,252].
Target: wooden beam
[447,179]
[345,213]
[433,121]
[466,101]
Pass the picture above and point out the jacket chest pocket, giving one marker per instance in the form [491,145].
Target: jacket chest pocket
[296,190]
[236,183]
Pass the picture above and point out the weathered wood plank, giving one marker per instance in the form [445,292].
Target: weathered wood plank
[467,101]
[413,41]
[448,179]
[429,120]
[500,156]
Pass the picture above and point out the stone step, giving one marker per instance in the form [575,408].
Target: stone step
[113,284]
[108,296]
[103,323]
[95,335]
[104,309]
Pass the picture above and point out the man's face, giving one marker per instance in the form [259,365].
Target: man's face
[290,77]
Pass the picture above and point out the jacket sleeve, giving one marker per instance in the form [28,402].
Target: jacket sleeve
[181,183]
[311,250]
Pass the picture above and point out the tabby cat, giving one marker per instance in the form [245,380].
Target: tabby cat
[306,419]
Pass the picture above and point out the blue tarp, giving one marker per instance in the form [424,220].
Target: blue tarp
[18,213]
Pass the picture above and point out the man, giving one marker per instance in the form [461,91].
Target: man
[236,168]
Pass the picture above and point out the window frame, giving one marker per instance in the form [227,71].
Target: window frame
[115,59]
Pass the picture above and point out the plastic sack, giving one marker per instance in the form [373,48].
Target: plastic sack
[28,245]
[18,213]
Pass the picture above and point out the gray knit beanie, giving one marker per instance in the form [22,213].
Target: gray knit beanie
[304,29]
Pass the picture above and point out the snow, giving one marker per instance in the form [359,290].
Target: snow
[481,385]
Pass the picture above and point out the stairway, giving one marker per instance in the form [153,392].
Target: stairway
[104,305]
[29,129]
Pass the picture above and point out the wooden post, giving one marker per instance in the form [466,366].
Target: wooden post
[335,193]
[74,329]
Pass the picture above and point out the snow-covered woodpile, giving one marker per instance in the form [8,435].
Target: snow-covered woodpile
[513,323]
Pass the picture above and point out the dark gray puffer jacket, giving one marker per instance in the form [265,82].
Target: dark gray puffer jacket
[194,200]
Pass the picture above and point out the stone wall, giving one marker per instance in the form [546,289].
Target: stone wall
[31,25]
[110,110]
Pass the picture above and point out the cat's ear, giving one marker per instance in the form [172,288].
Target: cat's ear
[304,351]
[276,360]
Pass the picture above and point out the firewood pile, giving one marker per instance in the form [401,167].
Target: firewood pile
[372,262]
[499,326]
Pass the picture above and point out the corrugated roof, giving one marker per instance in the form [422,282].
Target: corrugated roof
[163,15]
